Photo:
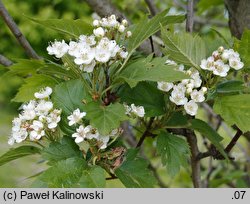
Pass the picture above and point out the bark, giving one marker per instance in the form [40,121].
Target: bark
[239,16]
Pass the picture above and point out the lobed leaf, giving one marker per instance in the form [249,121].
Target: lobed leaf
[174,151]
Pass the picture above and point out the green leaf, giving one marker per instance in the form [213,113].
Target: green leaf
[146,95]
[64,174]
[32,85]
[230,86]
[234,109]
[69,96]
[209,133]
[134,172]
[105,118]
[24,67]
[184,48]
[150,70]
[174,151]
[17,153]
[93,177]
[62,150]
[177,120]
[73,28]
[244,48]
[57,71]
[147,27]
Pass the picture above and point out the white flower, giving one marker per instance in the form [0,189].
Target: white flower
[74,48]
[43,107]
[44,93]
[121,28]
[76,117]
[88,40]
[112,22]
[99,32]
[58,49]
[28,111]
[104,22]
[221,69]
[37,131]
[92,133]
[123,54]
[53,118]
[179,88]
[235,63]
[104,141]
[164,86]
[135,110]
[197,96]
[28,114]
[86,56]
[89,67]
[178,98]
[19,135]
[81,133]
[191,108]
[228,54]
[208,64]
[102,55]
[138,110]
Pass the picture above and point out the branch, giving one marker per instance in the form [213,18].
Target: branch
[195,164]
[5,61]
[216,154]
[104,8]
[152,8]
[190,16]
[146,132]
[16,32]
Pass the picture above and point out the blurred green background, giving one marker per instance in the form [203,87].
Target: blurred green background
[16,173]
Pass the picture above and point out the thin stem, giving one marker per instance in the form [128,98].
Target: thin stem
[152,7]
[146,132]
[5,61]
[17,33]
[190,16]
[195,164]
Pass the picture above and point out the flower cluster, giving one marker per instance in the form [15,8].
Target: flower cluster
[37,117]
[188,92]
[86,133]
[134,110]
[221,61]
[100,47]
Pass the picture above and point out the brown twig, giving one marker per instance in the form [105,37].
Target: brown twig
[216,154]
[152,7]
[190,16]
[16,32]
[5,61]
[146,132]
[195,164]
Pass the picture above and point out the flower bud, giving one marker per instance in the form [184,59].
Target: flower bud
[220,49]
[96,23]
[99,32]
[204,89]
[121,28]
[124,22]
[128,34]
